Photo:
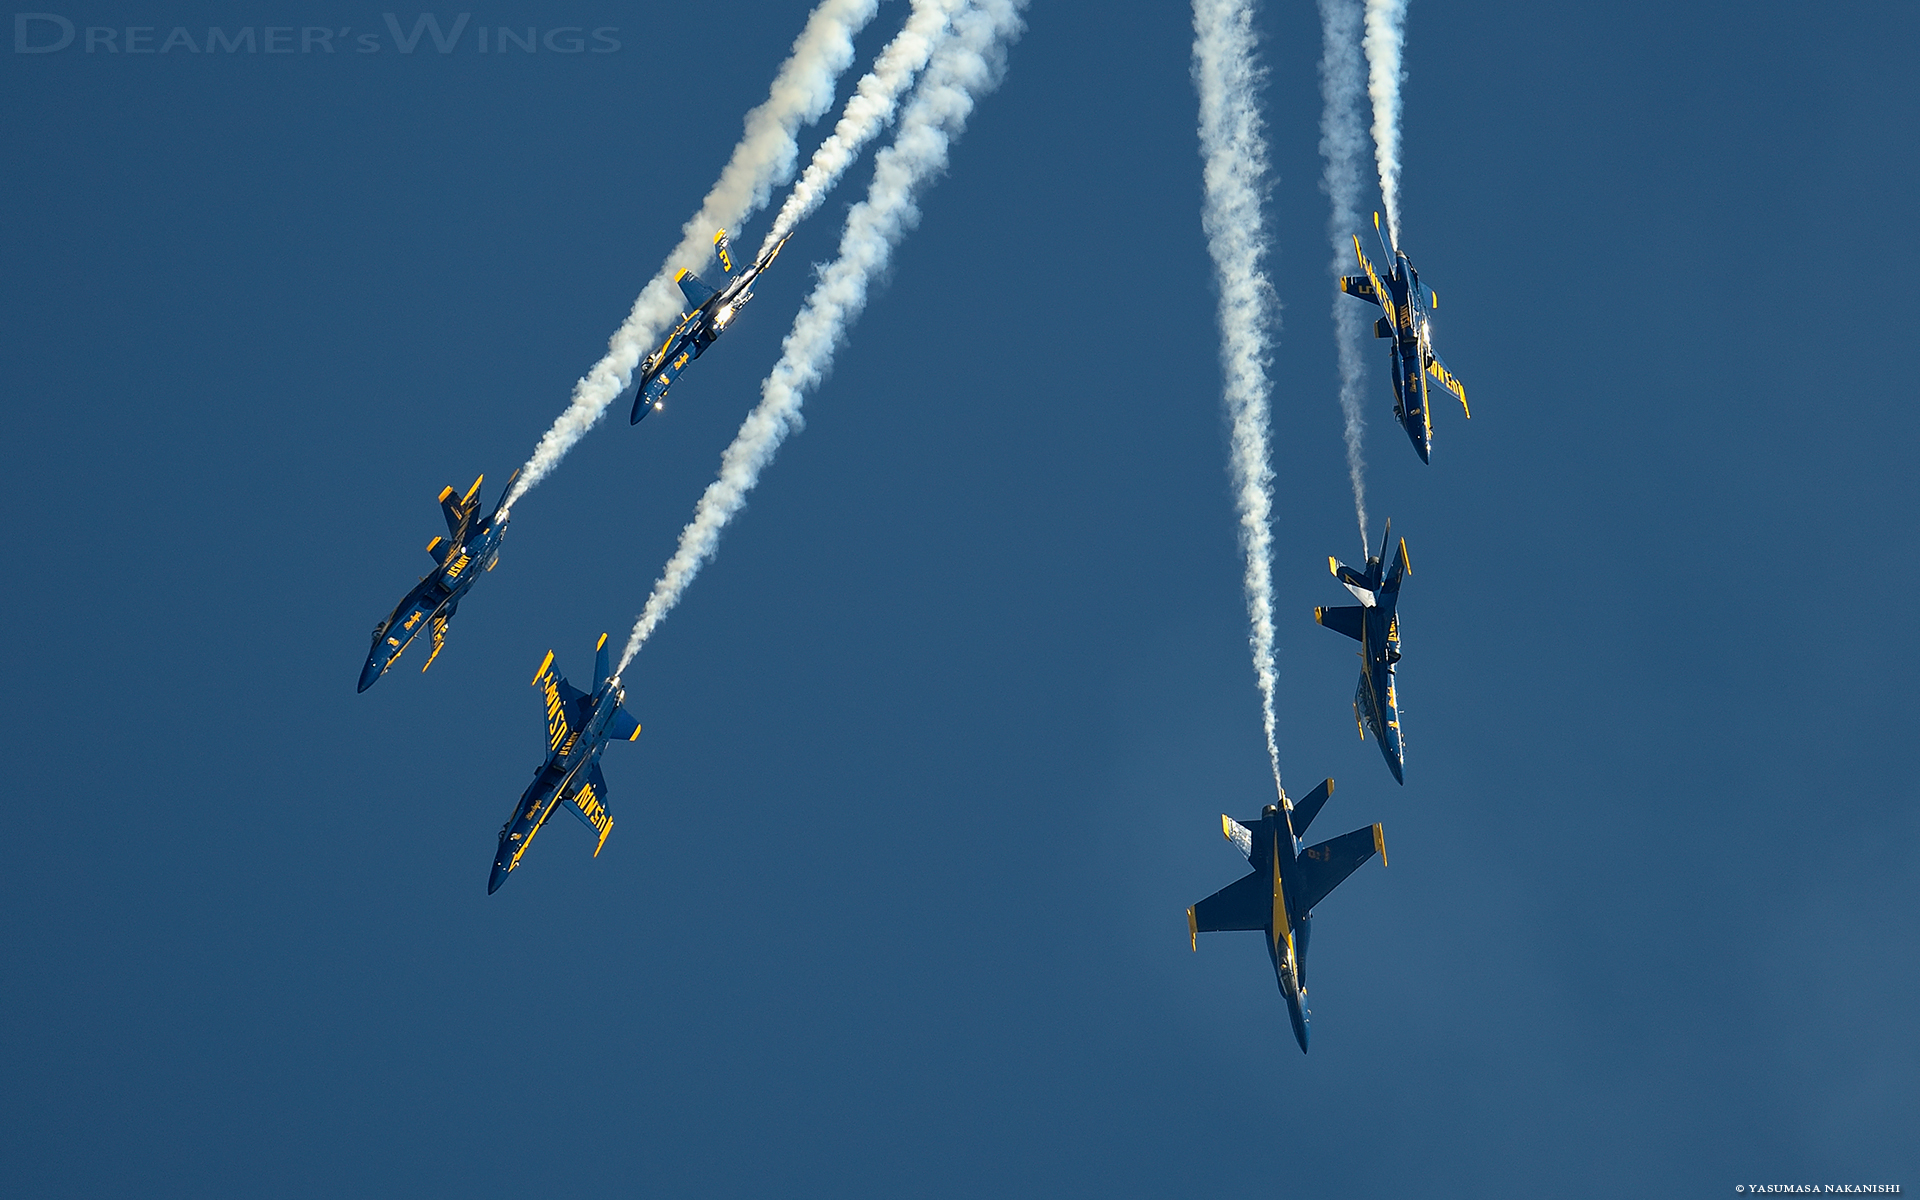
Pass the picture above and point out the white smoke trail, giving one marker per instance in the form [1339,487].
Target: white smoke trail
[763,158]
[966,65]
[1235,154]
[1343,142]
[867,111]
[1386,36]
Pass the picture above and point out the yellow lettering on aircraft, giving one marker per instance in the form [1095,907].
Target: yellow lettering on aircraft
[413,619]
[596,814]
[458,565]
[557,731]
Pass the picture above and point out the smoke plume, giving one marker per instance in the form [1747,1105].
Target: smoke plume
[867,111]
[1386,36]
[1235,175]
[965,65]
[764,157]
[1343,143]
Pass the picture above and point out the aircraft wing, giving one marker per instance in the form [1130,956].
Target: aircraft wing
[439,628]
[1246,903]
[1349,619]
[589,804]
[563,705]
[1380,295]
[1445,378]
[1323,867]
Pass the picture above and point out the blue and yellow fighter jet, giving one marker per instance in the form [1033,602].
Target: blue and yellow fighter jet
[1375,624]
[1406,304]
[1279,896]
[579,726]
[707,316]
[472,545]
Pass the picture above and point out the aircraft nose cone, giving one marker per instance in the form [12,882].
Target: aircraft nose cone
[370,674]
[499,876]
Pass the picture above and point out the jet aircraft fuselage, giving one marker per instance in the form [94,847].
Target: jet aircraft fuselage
[708,315]
[1407,326]
[1279,896]
[472,545]
[579,727]
[1375,624]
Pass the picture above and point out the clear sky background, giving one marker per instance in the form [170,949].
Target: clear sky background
[935,751]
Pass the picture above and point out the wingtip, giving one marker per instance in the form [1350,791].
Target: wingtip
[542,672]
[1193,932]
[1380,842]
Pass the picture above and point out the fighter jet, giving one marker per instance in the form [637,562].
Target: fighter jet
[1406,304]
[707,316]
[472,545]
[1279,896]
[579,726]
[1375,624]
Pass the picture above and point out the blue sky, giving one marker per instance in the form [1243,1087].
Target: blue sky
[934,752]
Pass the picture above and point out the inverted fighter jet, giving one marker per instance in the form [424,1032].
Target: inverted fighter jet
[708,314]
[1279,896]
[1406,304]
[472,545]
[579,726]
[1375,624]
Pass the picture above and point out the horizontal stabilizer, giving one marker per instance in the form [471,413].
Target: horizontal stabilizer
[621,727]
[1362,581]
[440,548]
[1361,286]
[1381,329]
[1347,619]
[1238,834]
[1247,903]
[697,293]
[1304,811]
[1323,867]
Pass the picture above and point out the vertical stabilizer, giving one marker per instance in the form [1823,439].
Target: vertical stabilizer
[602,668]
[459,510]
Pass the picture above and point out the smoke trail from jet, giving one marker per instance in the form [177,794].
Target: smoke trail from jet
[966,65]
[764,157]
[1386,36]
[1235,175]
[1343,142]
[872,105]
